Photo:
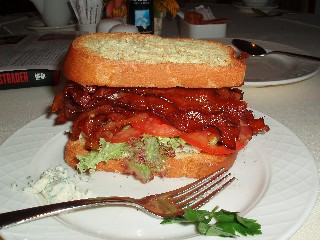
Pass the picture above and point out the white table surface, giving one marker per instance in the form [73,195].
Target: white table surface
[297,105]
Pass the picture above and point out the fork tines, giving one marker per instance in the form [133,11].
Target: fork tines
[201,191]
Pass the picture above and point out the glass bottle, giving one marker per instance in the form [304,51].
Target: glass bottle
[140,14]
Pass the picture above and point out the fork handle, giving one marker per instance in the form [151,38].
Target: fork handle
[25,215]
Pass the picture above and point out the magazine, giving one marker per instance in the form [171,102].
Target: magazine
[32,60]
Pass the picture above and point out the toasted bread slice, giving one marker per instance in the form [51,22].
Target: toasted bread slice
[192,165]
[141,60]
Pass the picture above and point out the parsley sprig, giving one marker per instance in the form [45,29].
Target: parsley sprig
[227,224]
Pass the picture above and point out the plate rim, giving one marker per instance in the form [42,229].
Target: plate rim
[267,7]
[275,82]
[69,27]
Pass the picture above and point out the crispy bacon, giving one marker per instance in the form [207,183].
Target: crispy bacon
[95,110]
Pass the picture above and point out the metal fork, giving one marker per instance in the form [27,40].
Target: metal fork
[168,204]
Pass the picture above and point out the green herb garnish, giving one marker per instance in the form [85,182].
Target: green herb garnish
[227,224]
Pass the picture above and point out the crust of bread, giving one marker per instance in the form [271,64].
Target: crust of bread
[87,67]
[191,165]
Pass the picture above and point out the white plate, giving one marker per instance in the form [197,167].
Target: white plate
[276,69]
[71,27]
[280,203]
[247,9]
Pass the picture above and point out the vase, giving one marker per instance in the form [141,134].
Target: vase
[158,24]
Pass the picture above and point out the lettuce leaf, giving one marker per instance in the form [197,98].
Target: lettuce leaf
[146,156]
[106,152]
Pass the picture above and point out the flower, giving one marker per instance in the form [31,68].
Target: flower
[118,8]
[115,8]
[166,5]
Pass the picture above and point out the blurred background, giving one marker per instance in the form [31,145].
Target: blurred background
[310,6]
[16,6]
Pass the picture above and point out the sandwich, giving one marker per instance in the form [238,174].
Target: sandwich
[149,106]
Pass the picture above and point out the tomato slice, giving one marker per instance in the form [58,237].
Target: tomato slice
[126,135]
[111,131]
[120,123]
[157,127]
[203,139]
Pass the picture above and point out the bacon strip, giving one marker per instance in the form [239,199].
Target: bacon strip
[188,110]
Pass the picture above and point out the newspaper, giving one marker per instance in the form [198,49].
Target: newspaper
[35,51]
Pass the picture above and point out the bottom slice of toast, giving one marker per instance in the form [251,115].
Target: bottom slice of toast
[191,165]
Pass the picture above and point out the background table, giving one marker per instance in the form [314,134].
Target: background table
[297,105]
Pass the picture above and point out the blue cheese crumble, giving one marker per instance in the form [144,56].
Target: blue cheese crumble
[57,186]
